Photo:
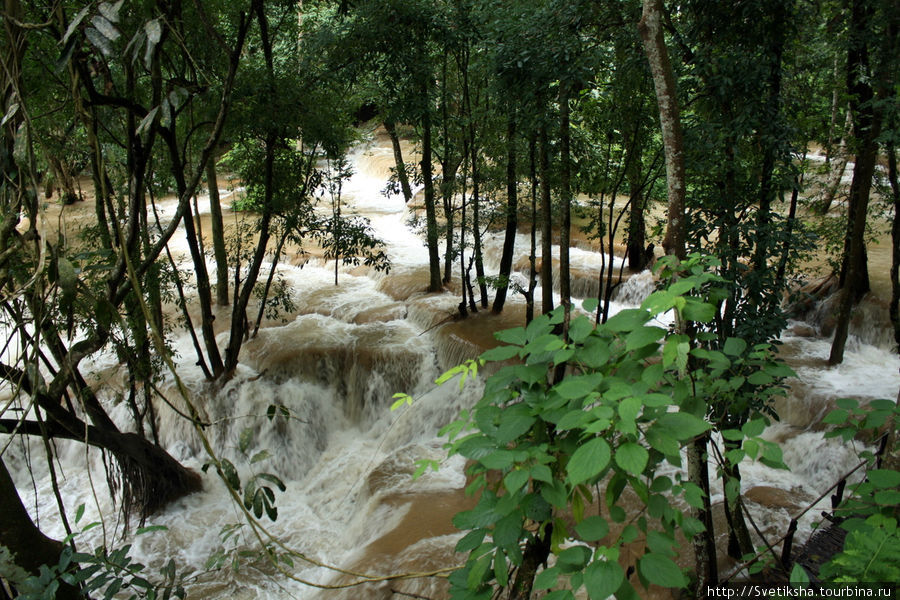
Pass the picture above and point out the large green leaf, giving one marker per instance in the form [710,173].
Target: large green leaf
[588,460]
[682,425]
[643,337]
[632,457]
[593,529]
[602,579]
[661,570]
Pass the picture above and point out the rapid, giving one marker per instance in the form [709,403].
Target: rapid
[347,459]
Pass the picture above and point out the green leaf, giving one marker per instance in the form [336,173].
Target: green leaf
[632,457]
[683,425]
[659,439]
[588,461]
[799,576]
[229,473]
[514,336]
[661,570]
[659,302]
[471,540]
[734,346]
[643,337]
[760,378]
[884,478]
[593,529]
[515,420]
[836,417]
[578,386]
[627,320]
[500,353]
[695,310]
[151,528]
[603,578]
[260,456]
[573,559]
[245,438]
[629,409]
[847,403]
[79,512]
[515,480]
[478,571]
[887,497]
[556,494]
[753,428]
[546,579]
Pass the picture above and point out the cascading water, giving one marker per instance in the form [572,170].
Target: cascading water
[347,460]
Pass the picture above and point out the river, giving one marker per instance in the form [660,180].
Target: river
[347,460]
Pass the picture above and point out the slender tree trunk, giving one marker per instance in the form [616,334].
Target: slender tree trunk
[476,232]
[854,279]
[565,192]
[434,261]
[448,186]
[402,177]
[512,209]
[786,245]
[546,224]
[838,164]
[532,254]
[894,308]
[637,228]
[670,123]
[218,234]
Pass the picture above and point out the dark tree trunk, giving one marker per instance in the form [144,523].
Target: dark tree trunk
[637,228]
[546,224]
[431,233]
[512,209]
[532,253]
[894,308]
[565,192]
[402,177]
[769,139]
[854,278]
[218,234]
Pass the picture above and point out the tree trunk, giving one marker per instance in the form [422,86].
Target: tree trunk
[532,253]
[434,261]
[565,192]
[770,139]
[512,209]
[894,308]
[670,123]
[218,234]
[637,228]
[546,224]
[704,543]
[854,279]
[28,545]
[838,164]
[402,177]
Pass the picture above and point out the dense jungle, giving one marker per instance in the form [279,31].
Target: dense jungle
[448,299]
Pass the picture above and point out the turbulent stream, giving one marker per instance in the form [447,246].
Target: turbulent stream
[346,458]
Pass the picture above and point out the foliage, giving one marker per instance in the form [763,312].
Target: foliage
[871,551]
[256,489]
[111,573]
[545,446]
